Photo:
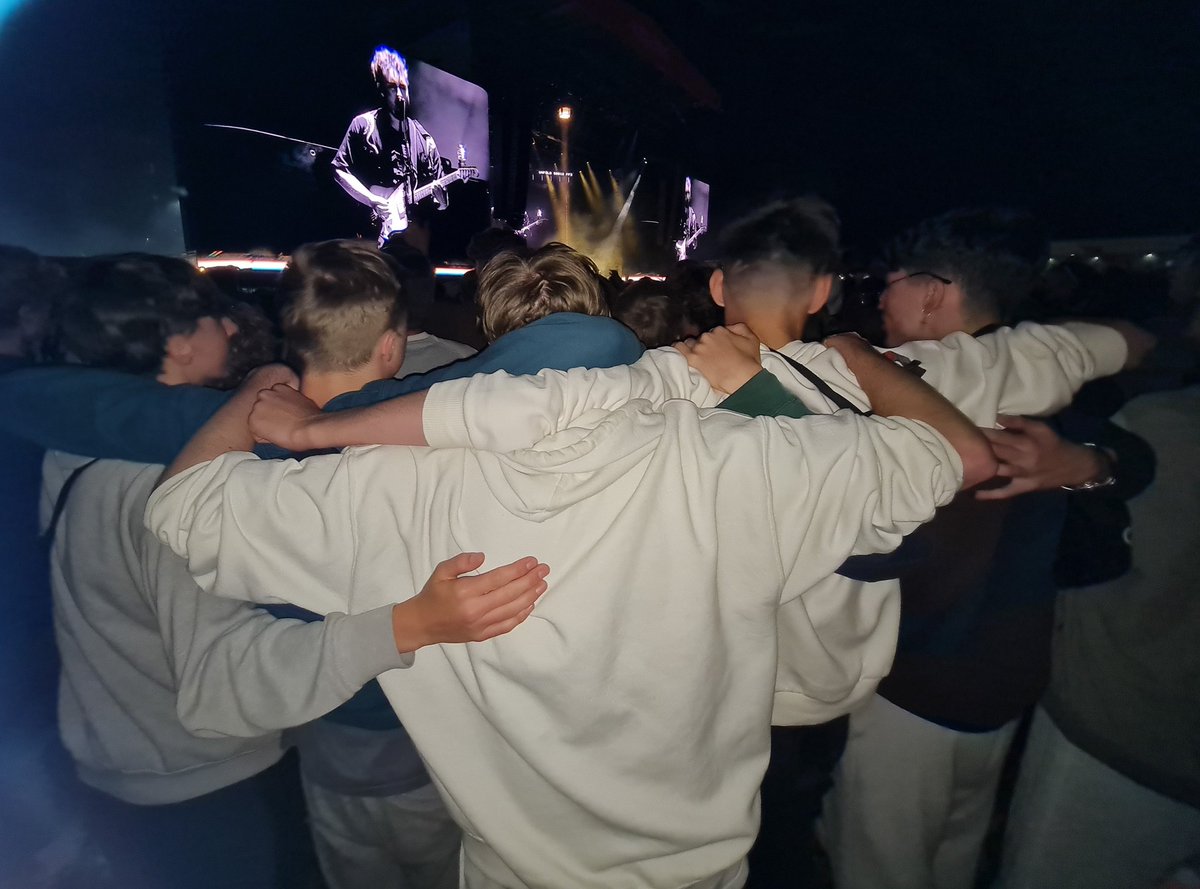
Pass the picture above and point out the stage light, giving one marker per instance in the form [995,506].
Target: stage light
[243,262]
[564,112]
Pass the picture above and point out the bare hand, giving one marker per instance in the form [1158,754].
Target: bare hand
[728,357]
[1033,457]
[281,415]
[849,345]
[456,608]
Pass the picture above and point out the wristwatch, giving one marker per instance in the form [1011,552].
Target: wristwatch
[1108,481]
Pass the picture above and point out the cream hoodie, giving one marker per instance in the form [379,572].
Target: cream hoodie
[1030,369]
[619,736]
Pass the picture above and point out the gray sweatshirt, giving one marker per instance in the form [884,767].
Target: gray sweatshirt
[148,660]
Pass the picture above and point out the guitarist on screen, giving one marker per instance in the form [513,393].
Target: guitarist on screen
[387,149]
[693,226]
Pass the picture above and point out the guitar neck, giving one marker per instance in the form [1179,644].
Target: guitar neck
[426,190]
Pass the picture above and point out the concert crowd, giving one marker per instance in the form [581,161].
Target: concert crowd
[773,572]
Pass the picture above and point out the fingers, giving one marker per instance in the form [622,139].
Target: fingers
[498,578]
[507,610]
[1012,489]
[509,605]
[1034,430]
[501,627]
[279,393]
[846,341]
[458,565]
[1007,452]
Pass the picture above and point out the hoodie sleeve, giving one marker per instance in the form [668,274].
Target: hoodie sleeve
[264,531]
[242,672]
[101,413]
[1032,369]
[849,485]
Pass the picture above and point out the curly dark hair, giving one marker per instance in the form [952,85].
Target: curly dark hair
[993,254]
[122,310]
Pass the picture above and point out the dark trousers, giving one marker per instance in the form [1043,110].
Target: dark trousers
[250,835]
[800,772]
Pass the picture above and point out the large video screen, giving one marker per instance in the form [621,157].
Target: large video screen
[693,224]
[351,161]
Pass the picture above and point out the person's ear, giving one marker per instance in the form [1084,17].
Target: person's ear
[389,351]
[716,287]
[934,298]
[179,349]
[822,288]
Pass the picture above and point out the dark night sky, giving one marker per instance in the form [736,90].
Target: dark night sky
[1087,113]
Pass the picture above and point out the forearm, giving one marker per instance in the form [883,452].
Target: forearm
[226,431]
[98,413]
[1033,369]
[1086,466]
[895,392]
[254,673]
[354,187]
[394,422]
[1138,342]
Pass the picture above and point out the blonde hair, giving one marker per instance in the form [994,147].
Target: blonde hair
[515,291]
[388,66]
[339,298]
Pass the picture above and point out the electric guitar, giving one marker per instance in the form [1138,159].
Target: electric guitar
[683,245]
[394,218]
[530,226]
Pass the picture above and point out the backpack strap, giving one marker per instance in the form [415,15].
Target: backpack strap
[842,403]
[61,503]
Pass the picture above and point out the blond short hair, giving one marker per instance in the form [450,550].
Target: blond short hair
[339,298]
[515,291]
[388,66]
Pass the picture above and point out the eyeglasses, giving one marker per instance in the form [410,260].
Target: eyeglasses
[933,275]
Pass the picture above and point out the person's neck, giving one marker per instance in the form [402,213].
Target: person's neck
[172,375]
[975,324]
[323,387]
[775,330]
